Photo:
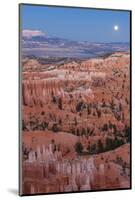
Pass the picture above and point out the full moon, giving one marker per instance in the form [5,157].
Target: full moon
[116,28]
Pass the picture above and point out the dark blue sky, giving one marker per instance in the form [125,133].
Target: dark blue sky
[77,24]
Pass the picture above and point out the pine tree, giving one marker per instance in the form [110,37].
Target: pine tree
[100,146]
[92,149]
[78,147]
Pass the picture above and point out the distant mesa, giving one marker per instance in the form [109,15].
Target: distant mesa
[39,44]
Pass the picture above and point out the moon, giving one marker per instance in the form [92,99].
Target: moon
[116,27]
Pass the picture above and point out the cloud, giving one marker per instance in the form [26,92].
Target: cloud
[31,33]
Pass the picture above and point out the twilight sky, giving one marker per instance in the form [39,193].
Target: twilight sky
[76,24]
